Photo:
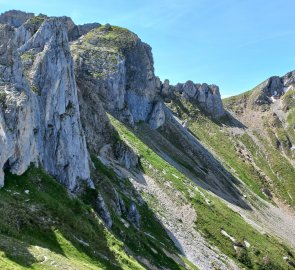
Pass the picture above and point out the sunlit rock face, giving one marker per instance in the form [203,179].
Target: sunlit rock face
[205,96]
[41,103]
[119,67]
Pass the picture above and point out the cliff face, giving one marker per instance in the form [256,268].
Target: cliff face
[119,69]
[111,71]
[46,110]
[17,116]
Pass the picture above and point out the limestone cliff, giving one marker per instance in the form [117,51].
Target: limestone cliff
[206,97]
[41,117]
[119,67]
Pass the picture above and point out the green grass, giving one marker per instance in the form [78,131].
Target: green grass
[288,100]
[114,37]
[225,147]
[214,216]
[282,169]
[248,99]
[48,222]
[2,98]
[238,102]
[34,23]
[27,56]
[277,171]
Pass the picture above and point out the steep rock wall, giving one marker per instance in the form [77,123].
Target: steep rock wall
[51,116]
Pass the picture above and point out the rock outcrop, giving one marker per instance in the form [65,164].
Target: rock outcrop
[273,87]
[40,115]
[133,215]
[205,96]
[119,68]
[76,31]
[49,101]
[103,211]
[15,18]
[18,146]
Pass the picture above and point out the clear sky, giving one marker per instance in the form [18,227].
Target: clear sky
[235,44]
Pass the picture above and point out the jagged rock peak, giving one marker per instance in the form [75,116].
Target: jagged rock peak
[206,96]
[76,31]
[15,18]
[273,87]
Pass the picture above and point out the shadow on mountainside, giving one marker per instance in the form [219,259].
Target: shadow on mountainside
[150,241]
[182,150]
[229,121]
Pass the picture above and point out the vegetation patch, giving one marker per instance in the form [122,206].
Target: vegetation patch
[42,225]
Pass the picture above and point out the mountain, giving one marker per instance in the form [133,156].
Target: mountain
[103,166]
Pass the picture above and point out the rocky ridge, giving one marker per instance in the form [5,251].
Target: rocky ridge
[112,71]
[272,88]
[207,97]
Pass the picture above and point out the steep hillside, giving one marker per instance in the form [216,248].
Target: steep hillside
[44,227]
[103,166]
[268,134]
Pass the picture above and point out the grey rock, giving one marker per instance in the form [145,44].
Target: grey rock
[15,18]
[158,84]
[125,155]
[103,211]
[122,75]
[189,90]
[166,88]
[76,31]
[119,204]
[289,79]
[266,192]
[108,26]
[64,152]
[133,215]
[210,100]
[96,125]
[157,118]
[42,127]
[274,86]
[185,124]
[207,97]
[17,120]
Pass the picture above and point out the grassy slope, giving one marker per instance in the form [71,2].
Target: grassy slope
[218,139]
[213,216]
[275,158]
[137,240]
[47,228]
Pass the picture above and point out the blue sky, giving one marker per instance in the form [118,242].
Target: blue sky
[235,44]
